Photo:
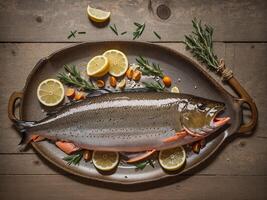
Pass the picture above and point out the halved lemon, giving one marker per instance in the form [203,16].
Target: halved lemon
[97,15]
[50,92]
[172,159]
[118,62]
[104,160]
[97,66]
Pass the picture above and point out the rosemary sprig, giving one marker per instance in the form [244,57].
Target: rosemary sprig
[123,32]
[114,29]
[74,158]
[157,35]
[154,86]
[149,69]
[139,30]
[72,77]
[199,43]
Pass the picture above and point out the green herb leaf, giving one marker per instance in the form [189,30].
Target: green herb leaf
[72,77]
[72,34]
[114,29]
[139,30]
[149,69]
[154,86]
[123,32]
[141,165]
[82,32]
[74,158]
[157,35]
[199,43]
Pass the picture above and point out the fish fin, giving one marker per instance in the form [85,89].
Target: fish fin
[177,136]
[67,147]
[22,127]
[141,157]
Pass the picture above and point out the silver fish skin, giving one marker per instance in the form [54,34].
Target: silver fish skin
[129,122]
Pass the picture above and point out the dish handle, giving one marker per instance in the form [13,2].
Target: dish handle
[11,104]
[245,99]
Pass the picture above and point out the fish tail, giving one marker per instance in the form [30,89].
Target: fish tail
[22,127]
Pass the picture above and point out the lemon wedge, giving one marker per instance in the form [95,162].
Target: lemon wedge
[97,15]
[118,62]
[97,66]
[105,161]
[172,159]
[175,89]
[50,92]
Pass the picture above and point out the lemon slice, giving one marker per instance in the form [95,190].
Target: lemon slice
[50,92]
[172,159]
[118,62]
[175,89]
[97,66]
[97,15]
[105,161]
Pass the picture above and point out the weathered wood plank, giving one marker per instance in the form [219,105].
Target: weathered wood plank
[47,21]
[249,62]
[197,187]
[17,60]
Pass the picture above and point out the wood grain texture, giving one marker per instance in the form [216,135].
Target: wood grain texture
[236,171]
[69,187]
[52,21]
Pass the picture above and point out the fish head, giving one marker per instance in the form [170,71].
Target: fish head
[200,116]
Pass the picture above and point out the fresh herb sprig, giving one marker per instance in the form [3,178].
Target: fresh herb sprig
[139,30]
[154,86]
[199,43]
[72,77]
[149,69]
[74,158]
[142,165]
[114,29]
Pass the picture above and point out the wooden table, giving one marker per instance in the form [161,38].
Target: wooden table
[33,29]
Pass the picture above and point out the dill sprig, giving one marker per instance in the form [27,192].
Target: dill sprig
[114,28]
[74,158]
[149,69]
[139,30]
[154,86]
[199,43]
[72,77]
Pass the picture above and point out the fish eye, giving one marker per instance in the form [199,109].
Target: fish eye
[201,106]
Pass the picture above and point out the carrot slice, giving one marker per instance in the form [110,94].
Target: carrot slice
[70,92]
[79,95]
[141,157]
[67,147]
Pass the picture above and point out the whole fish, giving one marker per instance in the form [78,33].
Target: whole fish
[130,122]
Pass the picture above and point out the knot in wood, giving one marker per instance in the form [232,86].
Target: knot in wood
[163,12]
